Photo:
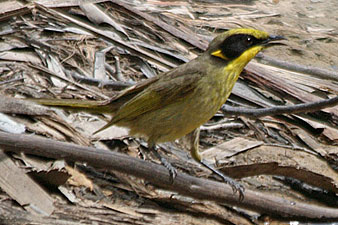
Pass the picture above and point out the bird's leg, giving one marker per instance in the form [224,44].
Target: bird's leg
[164,162]
[193,137]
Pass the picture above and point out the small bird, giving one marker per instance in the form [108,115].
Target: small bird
[176,103]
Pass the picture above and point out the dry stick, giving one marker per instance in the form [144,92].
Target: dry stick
[277,110]
[11,80]
[321,73]
[108,84]
[12,12]
[158,175]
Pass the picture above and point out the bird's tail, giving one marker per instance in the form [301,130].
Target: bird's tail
[78,105]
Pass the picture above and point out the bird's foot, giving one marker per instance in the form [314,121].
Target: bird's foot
[170,168]
[166,164]
[236,187]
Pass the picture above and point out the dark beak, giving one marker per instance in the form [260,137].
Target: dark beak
[270,41]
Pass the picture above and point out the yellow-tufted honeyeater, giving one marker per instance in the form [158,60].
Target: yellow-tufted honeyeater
[176,103]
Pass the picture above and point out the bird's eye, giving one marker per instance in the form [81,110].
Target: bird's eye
[249,40]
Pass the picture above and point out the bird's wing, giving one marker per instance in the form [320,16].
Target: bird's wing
[135,89]
[114,104]
[165,91]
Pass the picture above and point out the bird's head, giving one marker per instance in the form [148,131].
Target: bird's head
[241,43]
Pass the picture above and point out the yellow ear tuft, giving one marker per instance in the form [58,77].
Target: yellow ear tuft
[219,53]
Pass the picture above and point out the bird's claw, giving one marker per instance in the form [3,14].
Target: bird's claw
[166,164]
[170,168]
[172,174]
[236,187]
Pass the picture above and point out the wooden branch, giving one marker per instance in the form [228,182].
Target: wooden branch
[108,84]
[318,72]
[278,110]
[159,176]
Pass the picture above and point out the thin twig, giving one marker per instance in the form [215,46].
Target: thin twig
[277,110]
[11,80]
[321,73]
[114,85]
[224,126]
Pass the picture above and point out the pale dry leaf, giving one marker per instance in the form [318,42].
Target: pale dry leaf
[20,57]
[79,179]
[96,15]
